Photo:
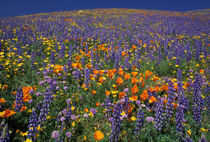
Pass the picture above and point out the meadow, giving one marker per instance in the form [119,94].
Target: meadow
[109,75]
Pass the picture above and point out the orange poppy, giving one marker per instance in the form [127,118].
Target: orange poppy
[175,105]
[201,71]
[157,89]
[86,110]
[110,74]
[134,74]
[101,79]
[7,113]
[148,74]
[134,97]
[94,92]
[144,95]
[89,66]
[134,80]
[121,95]
[155,78]
[123,53]
[58,68]
[185,85]
[107,93]
[98,135]
[2,100]
[114,70]
[176,86]
[120,72]
[133,47]
[23,108]
[95,72]
[143,83]
[134,67]
[152,99]
[165,101]
[119,81]
[165,87]
[127,76]
[134,89]
[26,93]
[97,104]
[101,72]
[141,79]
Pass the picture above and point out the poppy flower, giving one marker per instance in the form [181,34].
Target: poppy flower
[127,76]
[94,92]
[134,89]
[134,97]
[120,72]
[152,99]
[134,80]
[148,74]
[58,68]
[123,53]
[134,74]
[119,81]
[7,113]
[121,95]
[86,110]
[95,72]
[97,104]
[144,96]
[201,71]
[2,100]
[107,93]
[98,135]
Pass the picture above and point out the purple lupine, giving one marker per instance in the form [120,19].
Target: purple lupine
[19,100]
[203,138]
[45,106]
[188,139]
[108,107]
[169,105]
[33,123]
[208,104]
[179,121]
[179,75]
[139,123]
[159,116]
[126,104]
[52,58]
[117,60]
[182,100]
[198,101]
[4,132]
[116,122]
[87,77]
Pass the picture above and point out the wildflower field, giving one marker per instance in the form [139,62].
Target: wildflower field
[109,75]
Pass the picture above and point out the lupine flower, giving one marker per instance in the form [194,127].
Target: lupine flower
[179,121]
[45,106]
[198,101]
[139,123]
[19,100]
[169,106]
[116,122]
[4,132]
[159,116]
[33,123]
